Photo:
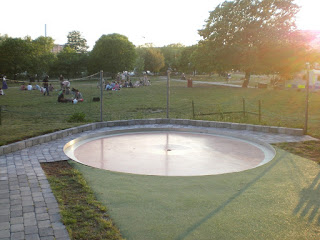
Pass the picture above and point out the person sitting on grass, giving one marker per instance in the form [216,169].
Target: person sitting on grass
[50,87]
[116,87]
[78,96]
[108,86]
[62,99]
[29,87]
[23,87]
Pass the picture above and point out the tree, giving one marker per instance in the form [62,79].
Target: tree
[236,32]
[139,63]
[70,63]
[76,42]
[112,53]
[171,55]
[186,61]
[41,57]
[15,55]
[153,60]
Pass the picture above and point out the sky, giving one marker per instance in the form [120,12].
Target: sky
[142,21]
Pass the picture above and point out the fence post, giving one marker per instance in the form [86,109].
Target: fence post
[259,111]
[192,109]
[305,129]
[101,95]
[244,107]
[168,91]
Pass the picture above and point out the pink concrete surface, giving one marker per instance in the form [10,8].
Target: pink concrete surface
[169,154]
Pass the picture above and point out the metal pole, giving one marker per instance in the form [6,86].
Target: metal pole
[101,94]
[244,107]
[259,110]
[168,91]
[192,109]
[307,100]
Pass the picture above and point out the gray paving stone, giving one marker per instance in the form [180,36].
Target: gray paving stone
[55,217]
[4,218]
[61,233]
[4,226]
[27,209]
[4,233]
[29,222]
[17,235]
[32,237]
[42,216]
[44,223]
[48,238]
[16,220]
[31,230]
[44,232]
[17,227]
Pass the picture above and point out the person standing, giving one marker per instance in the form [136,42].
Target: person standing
[4,83]
[46,85]
[61,79]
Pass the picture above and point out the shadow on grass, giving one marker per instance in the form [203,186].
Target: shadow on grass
[232,198]
[309,203]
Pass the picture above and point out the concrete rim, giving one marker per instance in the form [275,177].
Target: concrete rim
[266,148]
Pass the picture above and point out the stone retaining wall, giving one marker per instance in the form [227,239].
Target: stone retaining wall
[198,123]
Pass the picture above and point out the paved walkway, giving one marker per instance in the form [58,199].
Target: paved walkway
[28,208]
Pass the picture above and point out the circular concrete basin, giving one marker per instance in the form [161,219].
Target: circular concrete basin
[165,152]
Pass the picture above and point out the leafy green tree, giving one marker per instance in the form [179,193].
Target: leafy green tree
[236,32]
[70,63]
[15,56]
[139,63]
[42,58]
[186,62]
[112,53]
[153,60]
[76,42]
[171,55]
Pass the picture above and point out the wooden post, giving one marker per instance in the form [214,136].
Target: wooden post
[259,111]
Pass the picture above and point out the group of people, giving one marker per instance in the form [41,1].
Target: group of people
[116,86]
[43,89]
[77,96]
[124,83]
[47,88]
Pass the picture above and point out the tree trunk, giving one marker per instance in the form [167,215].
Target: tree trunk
[247,79]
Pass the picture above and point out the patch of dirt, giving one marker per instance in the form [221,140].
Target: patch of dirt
[307,149]
[54,168]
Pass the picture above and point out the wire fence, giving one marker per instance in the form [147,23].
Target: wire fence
[141,103]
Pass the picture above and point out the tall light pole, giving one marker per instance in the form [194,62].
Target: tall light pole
[307,99]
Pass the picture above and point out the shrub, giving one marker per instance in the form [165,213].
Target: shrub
[77,117]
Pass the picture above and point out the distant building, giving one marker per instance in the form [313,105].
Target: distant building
[57,48]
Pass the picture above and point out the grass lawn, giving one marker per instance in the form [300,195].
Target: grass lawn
[279,200]
[29,113]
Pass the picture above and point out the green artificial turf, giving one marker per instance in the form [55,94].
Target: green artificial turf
[279,200]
